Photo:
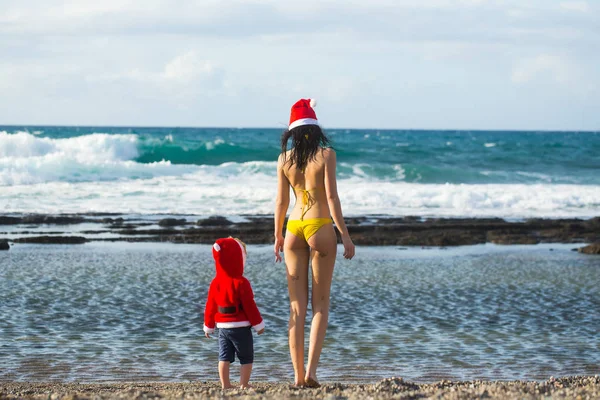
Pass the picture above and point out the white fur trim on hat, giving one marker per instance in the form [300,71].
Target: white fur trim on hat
[303,121]
[217,247]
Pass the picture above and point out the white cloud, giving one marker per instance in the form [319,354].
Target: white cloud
[122,58]
[544,66]
[581,6]
[188,67]
[183,76]
[80,9]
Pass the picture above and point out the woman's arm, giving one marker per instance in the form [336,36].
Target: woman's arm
[335,206]
[282,202]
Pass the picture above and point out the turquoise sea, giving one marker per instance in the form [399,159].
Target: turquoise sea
[207,171]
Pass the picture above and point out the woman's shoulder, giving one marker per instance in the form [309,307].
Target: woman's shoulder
[283,156]
[328,153]
[327,150]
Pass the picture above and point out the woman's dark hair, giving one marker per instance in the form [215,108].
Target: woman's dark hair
[306,140]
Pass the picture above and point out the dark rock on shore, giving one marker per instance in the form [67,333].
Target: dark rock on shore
[9,220]
[394,231]
[172,222]
[38,219]
[214,221]
[593,222]
[49,219]
[4,245]
[593,248]
[52,240]
[366,231]
[501,237]
[115,221]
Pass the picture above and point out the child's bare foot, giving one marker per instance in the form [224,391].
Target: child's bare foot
[246,386]
[227,387]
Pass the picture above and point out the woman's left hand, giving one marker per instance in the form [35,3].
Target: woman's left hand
[278,248]
[348,247]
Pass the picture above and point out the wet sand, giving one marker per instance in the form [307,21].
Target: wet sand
[392,388]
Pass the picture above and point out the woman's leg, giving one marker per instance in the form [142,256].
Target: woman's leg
[324,246]
[296,253]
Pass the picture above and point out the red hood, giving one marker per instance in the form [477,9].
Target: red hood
[229,257]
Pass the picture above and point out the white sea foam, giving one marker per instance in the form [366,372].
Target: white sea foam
[400,172]
[535,175]
[213,144]
[97,147]
[359,170]
[218,190]
[97,173]
[490,145]
[27,159]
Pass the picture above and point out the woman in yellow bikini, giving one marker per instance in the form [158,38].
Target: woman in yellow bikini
[309,169]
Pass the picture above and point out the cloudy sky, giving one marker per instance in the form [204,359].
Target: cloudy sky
[430,64]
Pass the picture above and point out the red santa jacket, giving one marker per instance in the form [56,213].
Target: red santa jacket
[230,302]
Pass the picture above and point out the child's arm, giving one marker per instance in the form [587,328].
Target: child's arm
[209,312]
[250,308]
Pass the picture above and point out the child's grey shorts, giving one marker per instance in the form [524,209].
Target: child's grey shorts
[236,341]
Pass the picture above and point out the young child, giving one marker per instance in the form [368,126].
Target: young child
[231,307]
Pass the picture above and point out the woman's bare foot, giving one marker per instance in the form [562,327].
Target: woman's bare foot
[247,386]
[227,387]
[311,383]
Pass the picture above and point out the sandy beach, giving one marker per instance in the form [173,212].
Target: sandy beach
[392,388]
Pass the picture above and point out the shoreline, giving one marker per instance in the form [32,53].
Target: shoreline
[584,387]
[258,229]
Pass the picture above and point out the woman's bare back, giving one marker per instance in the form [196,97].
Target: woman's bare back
[309,187]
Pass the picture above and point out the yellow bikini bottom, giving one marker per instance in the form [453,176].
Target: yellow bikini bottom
[307,227]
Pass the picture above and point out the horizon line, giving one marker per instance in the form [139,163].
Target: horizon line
[283,128]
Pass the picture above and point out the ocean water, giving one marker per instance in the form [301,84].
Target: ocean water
[205,171]
[133,312]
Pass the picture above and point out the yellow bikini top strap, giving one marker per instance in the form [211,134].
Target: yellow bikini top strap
[305,200]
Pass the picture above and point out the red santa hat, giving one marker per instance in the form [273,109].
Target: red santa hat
[303,113]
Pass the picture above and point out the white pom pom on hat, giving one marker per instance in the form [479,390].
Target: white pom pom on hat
[217,247]
[313,103]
